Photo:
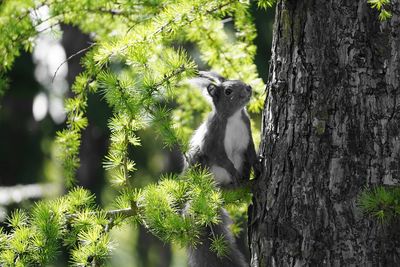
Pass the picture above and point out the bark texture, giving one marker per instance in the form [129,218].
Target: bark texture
[331,127]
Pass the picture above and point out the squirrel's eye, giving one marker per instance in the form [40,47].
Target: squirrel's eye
[228,91]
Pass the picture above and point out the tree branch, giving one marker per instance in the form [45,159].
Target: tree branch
[110,214]
[70,57]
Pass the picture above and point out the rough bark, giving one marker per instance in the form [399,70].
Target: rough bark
[331,128]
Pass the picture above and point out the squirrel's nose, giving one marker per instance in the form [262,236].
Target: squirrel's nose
[248,88]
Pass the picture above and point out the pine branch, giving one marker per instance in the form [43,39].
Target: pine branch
[100,10]
[111,214]
[50,27]
[71,57]
[169,23]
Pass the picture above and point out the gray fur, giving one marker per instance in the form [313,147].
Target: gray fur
[210,151]
[213,150]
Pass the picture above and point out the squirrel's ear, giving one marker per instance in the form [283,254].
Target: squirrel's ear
[212,76]
[210,81]
[212,90]
[201,83]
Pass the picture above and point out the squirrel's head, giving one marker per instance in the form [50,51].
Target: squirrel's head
[228,96]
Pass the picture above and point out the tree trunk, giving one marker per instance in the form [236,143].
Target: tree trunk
[331,128]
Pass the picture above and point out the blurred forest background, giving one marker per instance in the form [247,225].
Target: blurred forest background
[32,111]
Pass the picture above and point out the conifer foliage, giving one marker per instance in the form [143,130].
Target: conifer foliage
[138,65]
[383,6]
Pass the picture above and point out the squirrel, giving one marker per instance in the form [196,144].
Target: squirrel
[224,145]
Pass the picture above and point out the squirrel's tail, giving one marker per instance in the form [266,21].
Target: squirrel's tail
[202,256]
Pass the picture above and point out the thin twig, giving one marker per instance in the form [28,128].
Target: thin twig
[128,212]
[70,57]
[49,28]
[109,225]
[212,231]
